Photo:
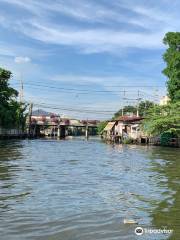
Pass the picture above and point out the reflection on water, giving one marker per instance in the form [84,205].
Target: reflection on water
[78,190]
[166,162]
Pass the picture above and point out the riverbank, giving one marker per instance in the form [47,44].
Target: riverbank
[149,141]
[12,133]
[154,141]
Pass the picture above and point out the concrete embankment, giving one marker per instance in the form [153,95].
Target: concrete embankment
[11,133]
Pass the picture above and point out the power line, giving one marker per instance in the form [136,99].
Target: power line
[91,90]
[72,89]
[87,92]
[55,107]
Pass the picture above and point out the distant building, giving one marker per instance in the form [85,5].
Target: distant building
[44,123]
[90,122]
[164,100]
[41,117]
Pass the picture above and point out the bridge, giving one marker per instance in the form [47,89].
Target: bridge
[55,126]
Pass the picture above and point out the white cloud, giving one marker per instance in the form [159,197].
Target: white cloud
[115,84]
[22,59]
[5,51]
[100,38]
[92,40]
[89,38]
[77,79]
[79,10]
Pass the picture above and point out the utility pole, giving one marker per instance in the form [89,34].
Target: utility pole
[145,108]
[86,130]
[156,95]
[123,102]
[137,114]
[59,131]
[21,92]
[30,114]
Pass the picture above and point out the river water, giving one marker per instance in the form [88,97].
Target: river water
[84,190]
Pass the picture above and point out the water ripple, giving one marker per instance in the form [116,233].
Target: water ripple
[83,190]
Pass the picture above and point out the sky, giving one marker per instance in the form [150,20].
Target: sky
[86,58]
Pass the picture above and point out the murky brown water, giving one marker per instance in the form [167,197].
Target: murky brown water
[83,190]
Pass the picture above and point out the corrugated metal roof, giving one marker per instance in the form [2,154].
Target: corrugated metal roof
[129,118]
[109,126]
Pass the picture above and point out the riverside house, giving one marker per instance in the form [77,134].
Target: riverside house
[122,128]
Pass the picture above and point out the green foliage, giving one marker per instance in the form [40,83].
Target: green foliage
[11,111]
[127,141]
[166,138]
[162,119]
[144,106]
[127,110]
[165,120]
[172,70]
[6,92]
[101,126]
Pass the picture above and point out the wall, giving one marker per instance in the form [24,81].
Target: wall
[10,132]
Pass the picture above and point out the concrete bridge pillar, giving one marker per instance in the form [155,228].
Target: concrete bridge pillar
[59,132]
[86,132]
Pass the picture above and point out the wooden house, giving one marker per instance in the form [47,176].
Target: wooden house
[122,128]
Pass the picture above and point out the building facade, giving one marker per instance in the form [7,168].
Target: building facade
[125,127]
[164,100]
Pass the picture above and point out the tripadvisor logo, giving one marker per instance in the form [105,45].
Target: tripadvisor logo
[139,231]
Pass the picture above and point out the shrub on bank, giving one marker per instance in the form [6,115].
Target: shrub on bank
[127,141]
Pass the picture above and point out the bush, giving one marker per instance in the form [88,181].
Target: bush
[127,141]
[166,137]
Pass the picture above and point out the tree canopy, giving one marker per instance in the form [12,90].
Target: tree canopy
[132,110]
[101,126]
[11,111]
[172,59]
[163,120]
[126,110]
[144,107]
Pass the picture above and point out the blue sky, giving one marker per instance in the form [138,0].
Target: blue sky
[89,52]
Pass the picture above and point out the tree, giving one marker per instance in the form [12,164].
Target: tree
[132,110]
[172,59]
[126,111]
[101,126]
[163,119]
[6,92]
[11,111]
[144,106]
